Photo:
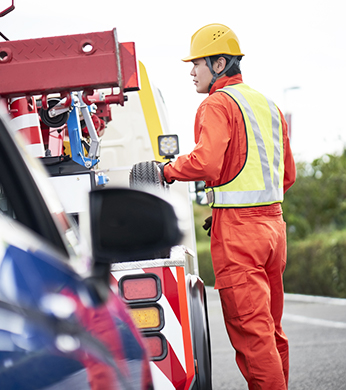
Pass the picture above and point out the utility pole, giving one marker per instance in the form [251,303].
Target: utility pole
[288,113]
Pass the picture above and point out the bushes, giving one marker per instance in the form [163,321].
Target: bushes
[317,265]
[206,271]
[315,212]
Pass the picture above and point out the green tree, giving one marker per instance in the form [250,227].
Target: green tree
[315,212]
[317,201]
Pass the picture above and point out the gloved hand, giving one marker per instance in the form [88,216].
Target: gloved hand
[207,225]
[161,168]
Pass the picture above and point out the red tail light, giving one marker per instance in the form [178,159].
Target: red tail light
[141,292]
[156,346]
[139,288]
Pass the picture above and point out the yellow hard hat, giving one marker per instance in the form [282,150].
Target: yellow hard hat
[211,40]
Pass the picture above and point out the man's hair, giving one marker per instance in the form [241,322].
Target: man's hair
[234,69]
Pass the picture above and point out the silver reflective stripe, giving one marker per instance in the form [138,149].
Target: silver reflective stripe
[271,192]
[210,196]
[248,197]
[258,136]
[276,138]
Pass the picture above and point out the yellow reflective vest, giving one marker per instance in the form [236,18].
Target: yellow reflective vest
[260,181]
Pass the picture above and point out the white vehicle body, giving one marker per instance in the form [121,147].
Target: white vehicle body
[131,137]
[174,317]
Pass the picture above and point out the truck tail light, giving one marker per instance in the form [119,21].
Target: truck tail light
[156,345]
[147,317]
[140,288]
[141,292]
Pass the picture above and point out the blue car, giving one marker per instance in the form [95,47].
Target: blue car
[61,325]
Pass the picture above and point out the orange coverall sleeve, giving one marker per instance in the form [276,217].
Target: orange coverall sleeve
[212,135]
[290,167]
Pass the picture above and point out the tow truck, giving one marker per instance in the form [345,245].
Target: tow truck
[92,126]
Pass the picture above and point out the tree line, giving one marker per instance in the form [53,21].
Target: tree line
[315,213]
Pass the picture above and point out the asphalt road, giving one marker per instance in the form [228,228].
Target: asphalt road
[316,329]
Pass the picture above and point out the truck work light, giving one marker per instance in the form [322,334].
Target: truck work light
[168,145]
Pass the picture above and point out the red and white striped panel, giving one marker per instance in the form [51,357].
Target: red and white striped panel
[176,371]
[25,119]
[56,140]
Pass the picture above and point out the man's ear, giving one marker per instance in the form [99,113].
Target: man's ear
[220,64]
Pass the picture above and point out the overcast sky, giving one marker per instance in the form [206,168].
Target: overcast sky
[288,43]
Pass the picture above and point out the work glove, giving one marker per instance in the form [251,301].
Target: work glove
[207,225]
[161,168]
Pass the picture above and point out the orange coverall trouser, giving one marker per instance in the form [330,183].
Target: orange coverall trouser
[248,247]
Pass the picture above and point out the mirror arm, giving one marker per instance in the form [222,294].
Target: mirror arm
[99,282]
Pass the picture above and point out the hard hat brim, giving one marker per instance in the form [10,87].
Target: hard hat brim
[190,58]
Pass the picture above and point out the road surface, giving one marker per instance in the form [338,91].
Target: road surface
[316,329]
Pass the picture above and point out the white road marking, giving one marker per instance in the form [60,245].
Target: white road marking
[314,321]
[315,299]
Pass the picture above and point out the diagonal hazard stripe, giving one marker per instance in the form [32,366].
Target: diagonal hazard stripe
[32,135]
[172,369]
[171,291]
[169,287]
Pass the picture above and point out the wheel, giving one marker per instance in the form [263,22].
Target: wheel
[146,174]
[200,334]
[53,122]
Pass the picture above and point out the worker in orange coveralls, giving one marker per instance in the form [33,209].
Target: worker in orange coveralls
[243,154]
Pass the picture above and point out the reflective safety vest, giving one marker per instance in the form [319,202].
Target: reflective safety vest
[260,181]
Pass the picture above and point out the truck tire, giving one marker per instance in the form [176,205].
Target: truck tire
[146,174]
[200,334]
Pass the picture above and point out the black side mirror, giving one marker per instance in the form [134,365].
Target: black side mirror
[129,225]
